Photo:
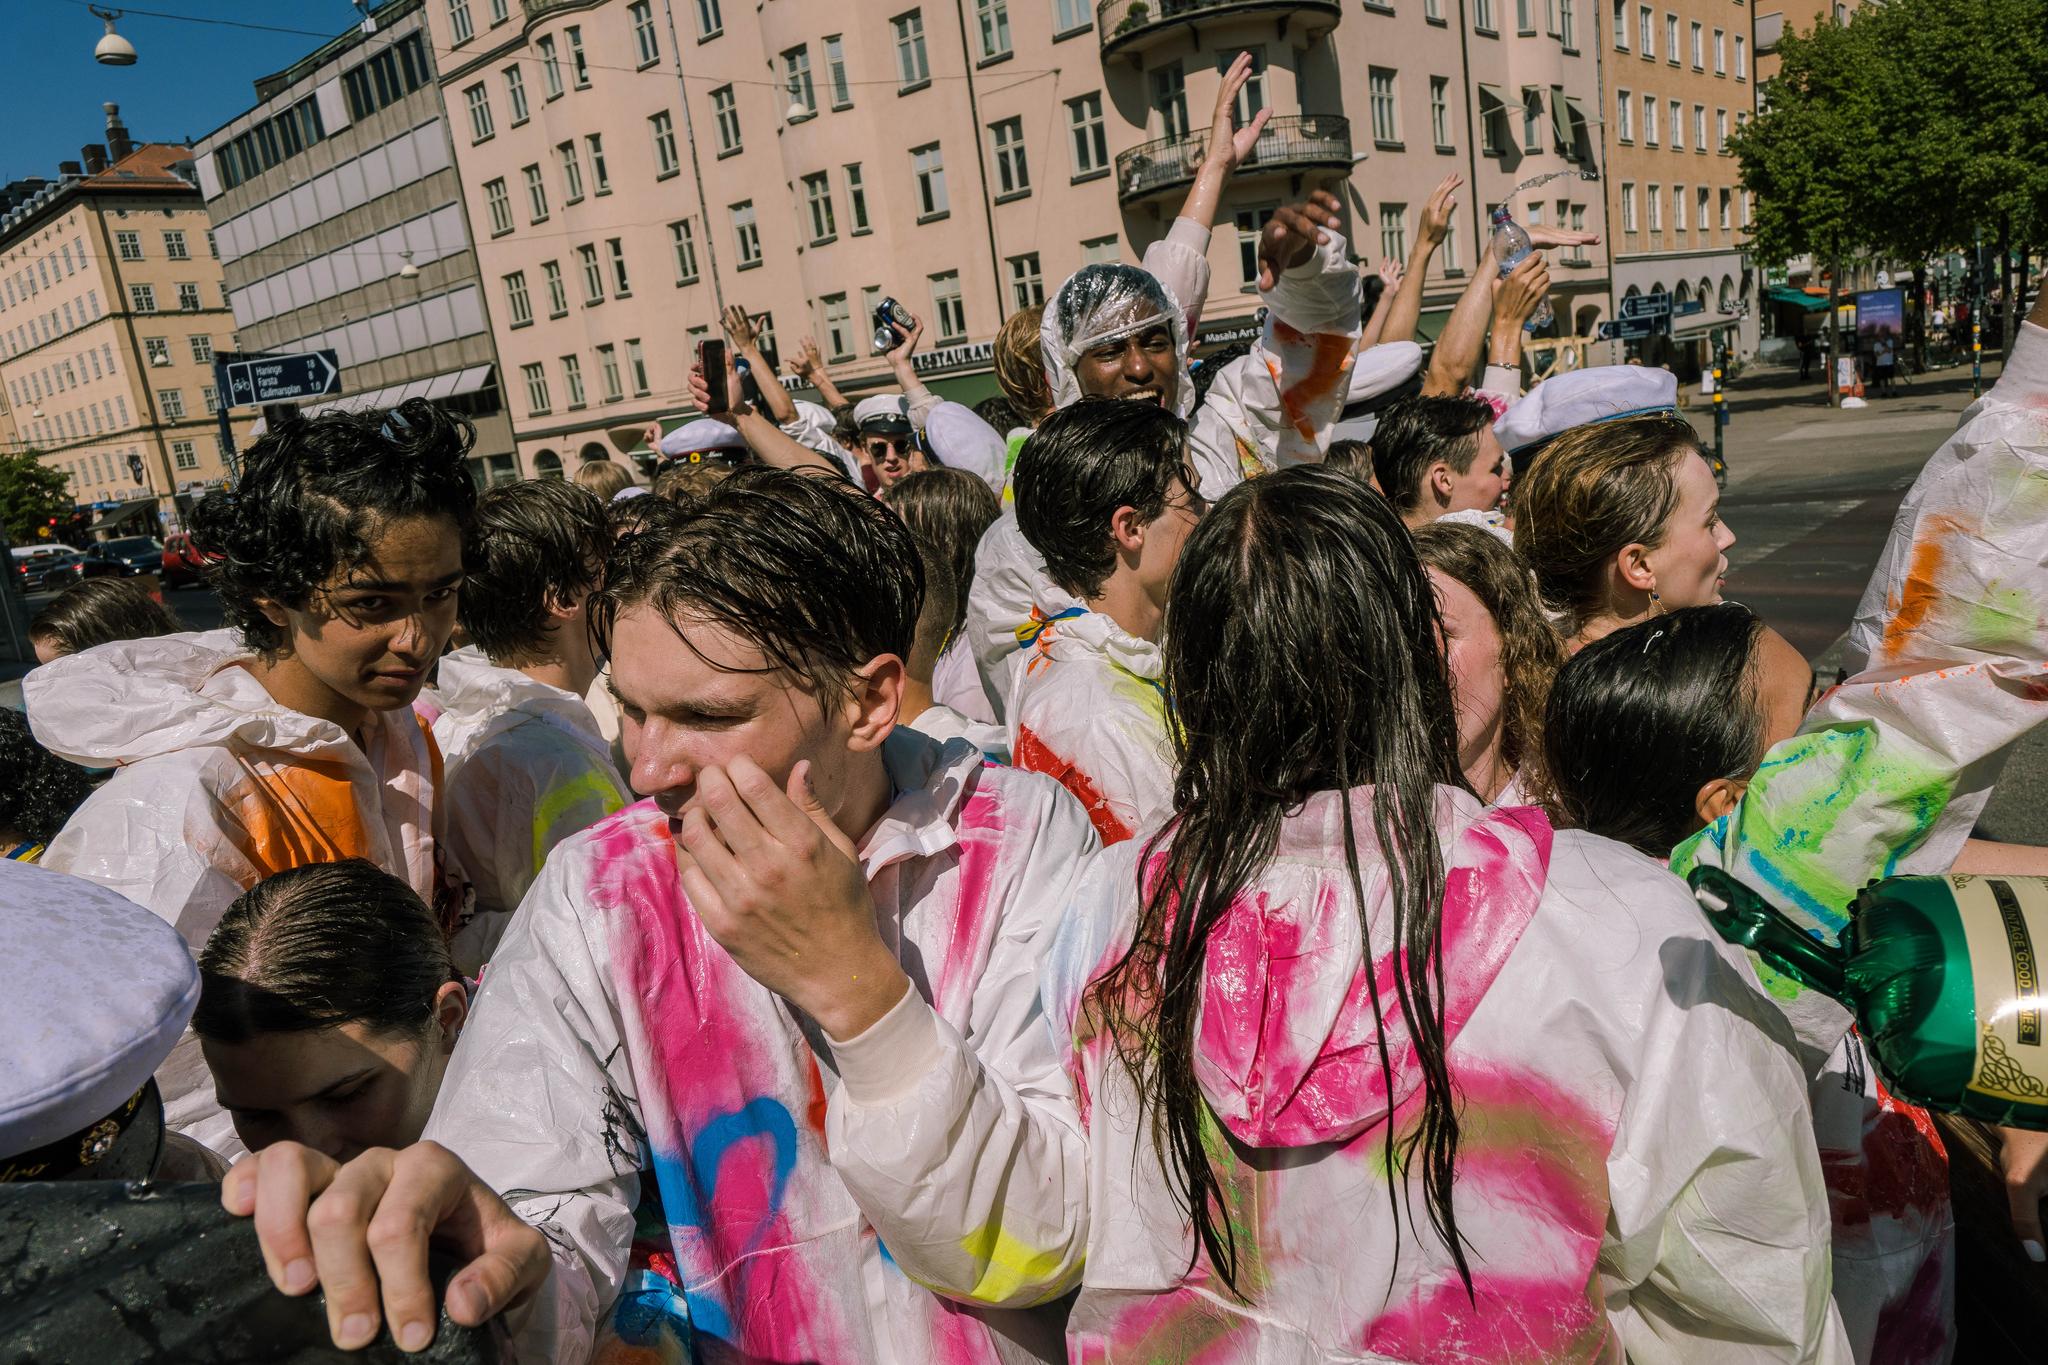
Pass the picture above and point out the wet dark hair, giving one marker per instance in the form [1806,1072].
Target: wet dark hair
[1301,654]
[1000,413]
[1084,462]
[532,545]
[1640,720]
[320,946]
[38,790]
[313,496]
[635,515]
[1415,433]
[815,573]
[686,484]
[101,610]
[947,511]
[1353,457]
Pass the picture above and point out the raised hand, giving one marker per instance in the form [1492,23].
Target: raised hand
[739,327]
[1390,273]
[1438,212]
[1518,294]
[1229,145]
[1539,235]
[700,390]
[1294,232]
[806,362]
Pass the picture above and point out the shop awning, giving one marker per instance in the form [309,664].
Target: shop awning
[1799,298]
[1560,124]
[435,387]
[122,515]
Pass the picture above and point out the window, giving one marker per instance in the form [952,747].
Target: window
[1386,128]
[210,400]
[1091,140]
[1624,116]
[202,354]
[558,291]
[572,173]
[1646,31]
[684,241]
[709,22]
[572,379]
[1482,15]
[1440,111]
[1100,250]
[947,306]
[663,126]
[1671,39]
[1013,174]
[1677,126]
[608,373]
[622,285]
[992,21]
[458,21]
[1577,254]
[1433,10]
[857,199]
[1068,16]
[1620,25]
[1720,130]
[1678,208]
[182,454]
[1170,98]
[796,78]
[838,327]
[212,247]
[725,113]
[515,93]
[1525,19]
[1567,26]
[1394,231]
[157,350]
[579,64]
[188,298]
[174,248]
[1532,120]
[1699,127]
[835,71]
[636,362]
[818,199]
[1720,52]
[171,403]
[1453,263]
[1628,206]
[1725,198]
[499,204]
[550,68]
[479,112]
[745,234]
[517,300]
[928,166]
[500,12]
[1649,120]
[1741,58]
[600,175]
[1699,48]
[536,389]
[536,196]
[645,44]
[1027,281]
[911,67]
[1252,97]
[1656,200]
[593,275]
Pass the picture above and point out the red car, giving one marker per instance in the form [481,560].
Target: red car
[182,561]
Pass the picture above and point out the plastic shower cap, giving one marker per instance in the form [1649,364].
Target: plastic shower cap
[1101,303]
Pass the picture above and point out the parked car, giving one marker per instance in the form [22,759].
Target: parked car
[33,563]
[55,573]
[182,561]
[123,558]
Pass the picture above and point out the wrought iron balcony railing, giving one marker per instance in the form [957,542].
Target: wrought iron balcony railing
[1290,142]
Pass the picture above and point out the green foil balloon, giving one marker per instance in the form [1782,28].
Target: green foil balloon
[1941,973]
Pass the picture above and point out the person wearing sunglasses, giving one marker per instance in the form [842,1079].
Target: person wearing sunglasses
[888,442]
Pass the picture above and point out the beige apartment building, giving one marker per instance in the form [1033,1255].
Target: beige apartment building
[962,159]
[338,211]
[1679,83]
[110,312]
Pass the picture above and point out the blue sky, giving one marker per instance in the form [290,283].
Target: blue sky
[188,79]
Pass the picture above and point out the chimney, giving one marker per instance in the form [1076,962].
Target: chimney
[118,143]
[69,170]
[95,157]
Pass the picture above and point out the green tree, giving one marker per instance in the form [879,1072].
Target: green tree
[30,494]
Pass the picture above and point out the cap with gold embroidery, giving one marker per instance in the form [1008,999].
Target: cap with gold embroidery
[100,989]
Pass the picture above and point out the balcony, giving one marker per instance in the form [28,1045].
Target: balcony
[1290,142]
[1138,24]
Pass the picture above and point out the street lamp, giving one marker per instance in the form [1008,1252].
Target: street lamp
[408,271]
[113,49]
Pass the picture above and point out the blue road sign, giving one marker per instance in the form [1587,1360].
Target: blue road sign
[1629,329]
[251,381]
[1688,308]
[1646,306]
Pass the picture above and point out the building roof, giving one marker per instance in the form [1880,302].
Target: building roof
[152,168]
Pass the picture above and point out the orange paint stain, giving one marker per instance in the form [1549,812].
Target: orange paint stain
[1919,595]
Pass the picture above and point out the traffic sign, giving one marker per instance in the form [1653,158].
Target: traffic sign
[1688,308]
[1630,329]
[253,380]
[1646,306]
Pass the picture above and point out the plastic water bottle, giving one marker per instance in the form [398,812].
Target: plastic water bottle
[1511,246]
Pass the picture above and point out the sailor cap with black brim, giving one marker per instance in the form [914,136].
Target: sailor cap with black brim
[886,414]
[1605,393]
[702,438]
[101,991]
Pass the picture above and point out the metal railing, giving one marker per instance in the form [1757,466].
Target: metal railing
[1289,142]
[1120,21]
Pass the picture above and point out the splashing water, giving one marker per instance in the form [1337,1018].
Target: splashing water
[1586,174]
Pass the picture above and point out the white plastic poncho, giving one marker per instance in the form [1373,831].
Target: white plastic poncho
[219,786]
[613,1035]
[1088,710]
[1636,1171]
[526,768]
